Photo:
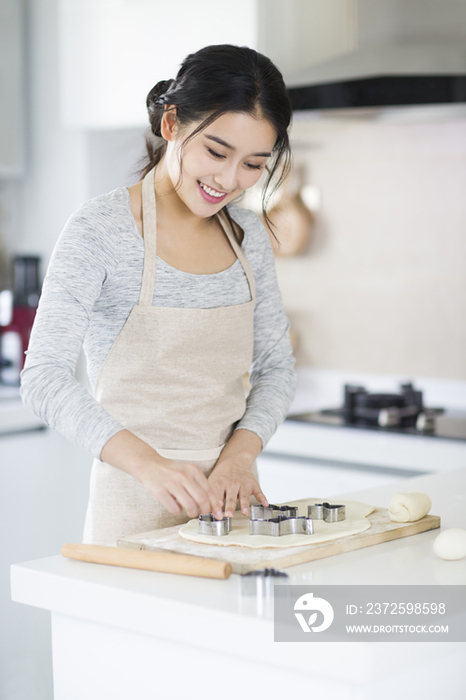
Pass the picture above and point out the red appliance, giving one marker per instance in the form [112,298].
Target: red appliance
[14,336]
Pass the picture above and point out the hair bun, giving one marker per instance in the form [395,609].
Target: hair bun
[157,95]
[155,101]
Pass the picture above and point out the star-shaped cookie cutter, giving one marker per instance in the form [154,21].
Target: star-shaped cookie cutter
[271,511]
[278,527]
[326,512]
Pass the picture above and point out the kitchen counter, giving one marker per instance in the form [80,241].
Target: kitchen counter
[120,633]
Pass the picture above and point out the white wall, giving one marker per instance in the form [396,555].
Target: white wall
[382,287]
[114,158]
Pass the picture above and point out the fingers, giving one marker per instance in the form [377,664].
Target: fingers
[218,488]
[184,486]
[186,500]
[230,502]
[238,491]
[242,492]
[227,490]
[212,501]
[259,495]
[244,504]
[254,491]
[169,502]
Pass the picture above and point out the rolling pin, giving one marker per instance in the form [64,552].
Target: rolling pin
[167,562]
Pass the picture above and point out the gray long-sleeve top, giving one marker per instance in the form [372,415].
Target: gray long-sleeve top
[92,283]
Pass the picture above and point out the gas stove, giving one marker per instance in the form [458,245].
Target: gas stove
[403,412]
[348,430]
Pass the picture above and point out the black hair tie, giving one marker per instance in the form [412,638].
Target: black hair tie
[165,86]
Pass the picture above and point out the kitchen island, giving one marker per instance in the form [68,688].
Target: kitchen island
[121,633]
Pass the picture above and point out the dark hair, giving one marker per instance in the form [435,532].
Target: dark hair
[216,80]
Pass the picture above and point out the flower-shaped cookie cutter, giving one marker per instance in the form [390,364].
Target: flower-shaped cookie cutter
[326,512]
[208,525]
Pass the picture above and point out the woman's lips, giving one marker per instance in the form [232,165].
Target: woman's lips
[209,197]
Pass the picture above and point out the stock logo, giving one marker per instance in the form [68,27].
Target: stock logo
[313,605]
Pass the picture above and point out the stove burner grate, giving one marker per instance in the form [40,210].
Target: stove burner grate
[403,410]
[402,413]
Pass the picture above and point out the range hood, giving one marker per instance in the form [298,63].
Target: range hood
[409,52]
[399,75]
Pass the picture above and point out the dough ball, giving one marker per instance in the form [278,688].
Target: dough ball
[408,507]
[451,544]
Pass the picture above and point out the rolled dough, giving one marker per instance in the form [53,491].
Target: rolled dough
[409,507]
[355,522]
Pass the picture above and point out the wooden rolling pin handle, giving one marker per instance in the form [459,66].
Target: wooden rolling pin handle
[167,562]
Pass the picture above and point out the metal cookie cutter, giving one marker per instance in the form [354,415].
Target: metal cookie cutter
[326,512]
[261,583]
[277,527]
[271,511]
[208,525]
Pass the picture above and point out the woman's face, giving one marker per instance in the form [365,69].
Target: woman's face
[220,162]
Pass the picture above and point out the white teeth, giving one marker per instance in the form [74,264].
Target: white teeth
[212,193]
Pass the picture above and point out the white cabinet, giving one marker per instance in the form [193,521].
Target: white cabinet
[11,88]
[286,478]
[112,52]
[44,485]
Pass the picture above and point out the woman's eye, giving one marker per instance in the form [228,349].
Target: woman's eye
[254,167]
[214,153]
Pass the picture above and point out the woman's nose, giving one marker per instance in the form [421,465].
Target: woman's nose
[227,178]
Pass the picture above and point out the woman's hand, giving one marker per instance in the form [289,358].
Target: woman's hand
[175,484]
[232,477]
[181,485]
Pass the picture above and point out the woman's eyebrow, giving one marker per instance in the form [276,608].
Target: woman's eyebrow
[232,148]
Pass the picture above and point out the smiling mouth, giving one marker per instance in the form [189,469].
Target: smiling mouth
[211,192]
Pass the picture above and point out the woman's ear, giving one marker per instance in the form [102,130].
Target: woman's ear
[168,125]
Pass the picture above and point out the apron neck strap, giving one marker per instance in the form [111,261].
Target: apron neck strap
[149,227]
[239,253]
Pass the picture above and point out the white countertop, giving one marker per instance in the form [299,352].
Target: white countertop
[214,615]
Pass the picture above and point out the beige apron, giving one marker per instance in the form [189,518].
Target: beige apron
[173,378]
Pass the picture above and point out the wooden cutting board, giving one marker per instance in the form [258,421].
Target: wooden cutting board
[244,559]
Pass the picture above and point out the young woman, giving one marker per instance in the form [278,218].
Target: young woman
[171,288]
